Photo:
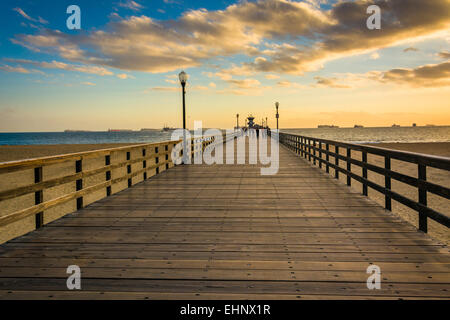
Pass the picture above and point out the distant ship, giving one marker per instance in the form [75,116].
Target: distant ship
[167,128]
[358,126]
[321,126]
[148,129]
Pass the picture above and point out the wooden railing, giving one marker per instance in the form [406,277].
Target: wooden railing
[314,149]
[141,161]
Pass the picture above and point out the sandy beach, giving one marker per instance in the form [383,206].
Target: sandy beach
[9,153]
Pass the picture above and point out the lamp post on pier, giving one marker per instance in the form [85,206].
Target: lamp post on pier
[183,79]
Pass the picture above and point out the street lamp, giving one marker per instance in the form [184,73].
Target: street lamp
[183,79]
[277,115]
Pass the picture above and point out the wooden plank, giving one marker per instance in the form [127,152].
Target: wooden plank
[226,232]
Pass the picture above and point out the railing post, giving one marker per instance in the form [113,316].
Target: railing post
[314,151]
[157,159]
[302,147]
[144,163]
[327,158]
[364,172]
[130,182]
[79,182]
[108,174]
[320,154]
[423,223]
[336,161]
[387,183]
[38,197]
[309,149]
[349,166]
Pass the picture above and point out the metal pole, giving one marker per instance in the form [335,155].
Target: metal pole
[184,105]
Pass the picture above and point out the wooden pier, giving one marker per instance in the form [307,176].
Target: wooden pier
[226,232]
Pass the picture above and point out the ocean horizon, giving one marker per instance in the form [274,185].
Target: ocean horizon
[353,135]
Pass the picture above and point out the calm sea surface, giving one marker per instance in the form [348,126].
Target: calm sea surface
[355,135]
[378,135]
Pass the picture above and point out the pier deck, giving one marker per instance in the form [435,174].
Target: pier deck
[226,232]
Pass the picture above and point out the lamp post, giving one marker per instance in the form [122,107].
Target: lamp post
[277,115]
[266,123]
[237,121]
[183,79]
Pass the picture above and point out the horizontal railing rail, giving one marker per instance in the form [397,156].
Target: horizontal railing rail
[315,149]
[160,156]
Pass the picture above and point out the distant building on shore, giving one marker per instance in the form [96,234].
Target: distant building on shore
[69,130]
[120,130]
[321,126]
[395,126]
[358,126]
[414,125]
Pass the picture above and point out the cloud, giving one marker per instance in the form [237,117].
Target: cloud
[444,54]
[212,85]
[164,89]
[410,49]
[17,69]
[131,5]
[279,36]
[271,76]
[244,83]
[375,56]
[432,75]
[348,35]
[289,84]
[88,83]
[329,82]
[65,66]
[26,16]
[123,76]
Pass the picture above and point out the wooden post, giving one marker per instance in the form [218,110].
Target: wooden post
[309,149]
[129,168]
[320,154]
[423,223]
[302,147]
[327,158]
[387,183]
[314,152]
[349,166]
[79,182]
[364,172]
[144,163]
[38,197]
[108,174]
[336,161]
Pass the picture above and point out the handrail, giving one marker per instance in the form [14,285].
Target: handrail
[312,149]
[40,185]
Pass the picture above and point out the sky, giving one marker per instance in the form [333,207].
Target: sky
[317,58]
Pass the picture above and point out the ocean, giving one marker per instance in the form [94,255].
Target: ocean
[378,135]
[354,135]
